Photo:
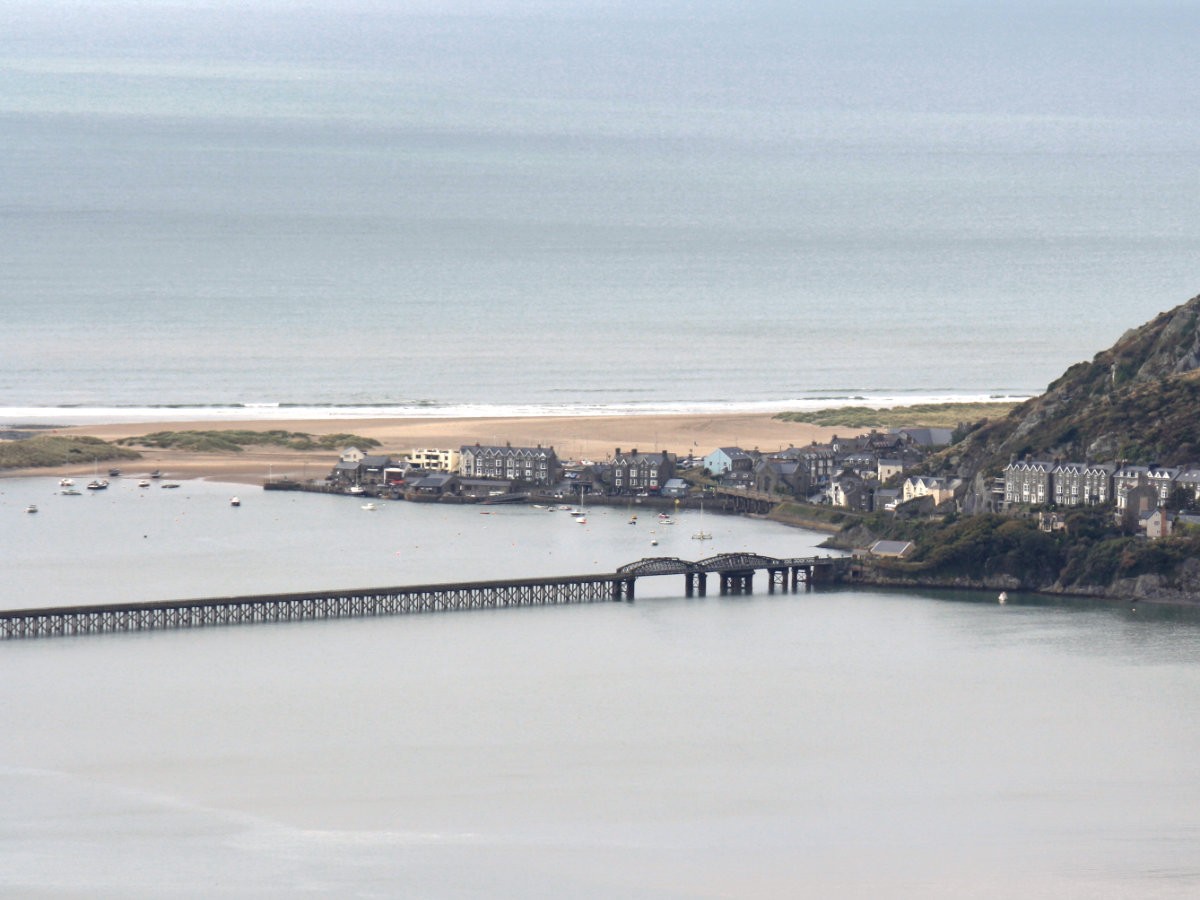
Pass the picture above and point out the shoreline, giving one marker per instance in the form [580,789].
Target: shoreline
[573,437]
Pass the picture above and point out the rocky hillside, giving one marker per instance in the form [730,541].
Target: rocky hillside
[1137,401]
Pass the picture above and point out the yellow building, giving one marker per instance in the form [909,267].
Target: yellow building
[435,460]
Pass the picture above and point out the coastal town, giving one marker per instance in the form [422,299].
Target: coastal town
[873,472]
[855,473]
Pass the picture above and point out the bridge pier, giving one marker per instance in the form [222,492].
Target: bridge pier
[801,573]
[737,582]
[623,590]
[695,582]
[776,576]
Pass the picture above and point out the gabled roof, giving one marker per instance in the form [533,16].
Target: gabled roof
[927,437]
[439,480]
[891,548]
[489,451]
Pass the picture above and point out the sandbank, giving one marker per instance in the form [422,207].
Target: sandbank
[573,437]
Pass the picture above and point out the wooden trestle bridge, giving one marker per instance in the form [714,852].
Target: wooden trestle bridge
[734,570]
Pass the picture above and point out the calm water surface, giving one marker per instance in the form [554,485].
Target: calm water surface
[580,204]
[838,743]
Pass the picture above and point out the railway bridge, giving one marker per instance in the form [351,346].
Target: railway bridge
[735,570]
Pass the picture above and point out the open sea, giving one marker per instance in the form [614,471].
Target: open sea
[480,207]
[489,206]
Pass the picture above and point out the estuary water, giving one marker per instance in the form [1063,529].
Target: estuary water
[831,743]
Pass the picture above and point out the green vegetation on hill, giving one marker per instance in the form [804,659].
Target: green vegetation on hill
[921,415]
[46,450]
[236,440]
[1137,401]
[1090,554]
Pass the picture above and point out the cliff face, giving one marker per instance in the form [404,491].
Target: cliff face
[1137,401]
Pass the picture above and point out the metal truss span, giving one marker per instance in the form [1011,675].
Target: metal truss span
[78,620]
[735,571]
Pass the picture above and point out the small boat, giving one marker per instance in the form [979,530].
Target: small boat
[66,482]
[156,474]
[702,535]
[653,542]
[370,507]
[581,519]
[1003,598]
[633,520]
[114,473]
[71,492]
[143,483]
[31,508]
[170,484]
[234,501]
[356,489]
[97,485]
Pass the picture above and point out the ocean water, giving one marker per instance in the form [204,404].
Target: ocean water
[495,206]
[836,743]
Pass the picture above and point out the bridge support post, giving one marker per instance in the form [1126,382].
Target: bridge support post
[739,582]
[776,577]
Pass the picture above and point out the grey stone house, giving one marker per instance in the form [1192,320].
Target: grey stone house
[1081,483]
[635,473]
[1028,481]
[525,465]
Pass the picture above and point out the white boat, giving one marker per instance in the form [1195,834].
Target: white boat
[97,483]
[702,535]
[1003,598]
[653,542]
[370,506]
[71,492]
[143,483]
[31,508]
[234,501]
[66,482]
[581,519]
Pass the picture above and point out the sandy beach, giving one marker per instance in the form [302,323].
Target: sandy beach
[590,437]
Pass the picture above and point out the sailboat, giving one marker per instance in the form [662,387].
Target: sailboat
[97,483]
[702,535]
